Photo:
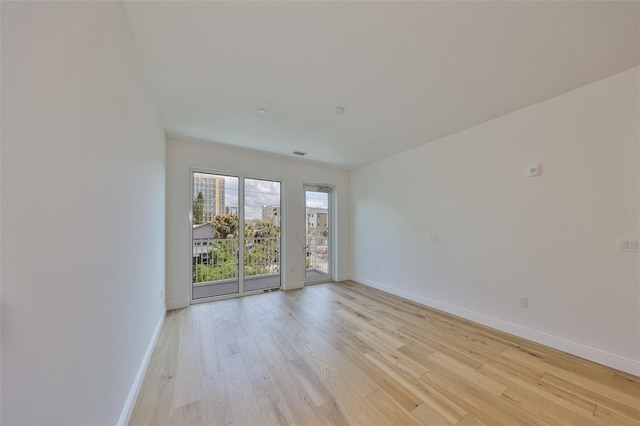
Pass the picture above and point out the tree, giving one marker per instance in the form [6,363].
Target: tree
[198,209]
[266,229]
[225,226]
[249,233]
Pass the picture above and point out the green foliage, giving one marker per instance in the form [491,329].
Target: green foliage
[248,231]
[204,273]
[226,271]
[225,226]
[224,253]
[261,256]
[266,229]
[250,271]
[198,208]
[207,273]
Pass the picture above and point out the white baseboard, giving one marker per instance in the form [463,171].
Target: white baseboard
[596,355]
[127,410]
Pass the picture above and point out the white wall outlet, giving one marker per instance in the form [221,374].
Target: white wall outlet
[432,237]
[629,245]
[534,170]
[523,302]
[161,293]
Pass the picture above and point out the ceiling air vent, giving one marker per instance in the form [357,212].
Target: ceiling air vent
[300,153]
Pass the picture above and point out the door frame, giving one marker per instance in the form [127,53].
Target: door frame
[241,177]
[330,190]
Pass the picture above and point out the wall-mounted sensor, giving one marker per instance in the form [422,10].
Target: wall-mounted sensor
[534,170]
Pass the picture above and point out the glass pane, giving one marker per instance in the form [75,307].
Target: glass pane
[262,234]
[317,236]
[215,263]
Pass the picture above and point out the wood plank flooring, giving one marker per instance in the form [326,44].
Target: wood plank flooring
[343,353]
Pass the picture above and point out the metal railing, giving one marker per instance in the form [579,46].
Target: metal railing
[317,252]
[261,256]
[215,259]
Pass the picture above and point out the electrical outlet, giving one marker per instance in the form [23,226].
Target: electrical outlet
[523,302]
[534,170]
[432,237]
[161,293]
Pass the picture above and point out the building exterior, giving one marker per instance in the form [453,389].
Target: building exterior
[232,210]
[271,213]
[203,231]
[316,219]
[212,189]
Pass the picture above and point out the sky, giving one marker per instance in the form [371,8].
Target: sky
[260,192]
[317,199]
[257,193]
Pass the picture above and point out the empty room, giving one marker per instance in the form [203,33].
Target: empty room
[307,212]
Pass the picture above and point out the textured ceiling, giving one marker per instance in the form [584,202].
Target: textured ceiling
[406,72]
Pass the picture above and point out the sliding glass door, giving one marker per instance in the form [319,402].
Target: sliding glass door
[317,233]
[215,235]
[262,220]
[236,236]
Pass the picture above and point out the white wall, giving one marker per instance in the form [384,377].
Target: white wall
[184,154]
[501,234]
[83,198]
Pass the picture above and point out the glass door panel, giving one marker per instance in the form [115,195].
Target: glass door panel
[262,220]
[317,234]
[215,235]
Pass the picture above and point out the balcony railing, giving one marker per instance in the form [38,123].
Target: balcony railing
[317,254]
[217,260]
[262,256]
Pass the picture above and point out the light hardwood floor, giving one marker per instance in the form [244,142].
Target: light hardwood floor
[348,354]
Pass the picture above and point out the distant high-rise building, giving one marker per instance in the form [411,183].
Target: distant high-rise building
[232,210]
[212,189]
[271,213]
